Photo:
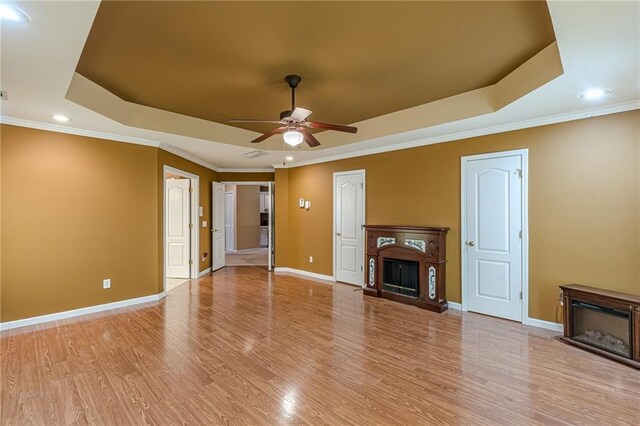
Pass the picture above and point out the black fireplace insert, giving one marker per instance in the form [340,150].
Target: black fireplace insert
[400,277]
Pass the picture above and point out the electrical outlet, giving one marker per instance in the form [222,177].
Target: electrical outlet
[310,259]
[301,202]
[204,223]
[106,283]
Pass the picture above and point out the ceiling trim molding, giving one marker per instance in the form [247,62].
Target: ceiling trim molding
[126,139]
[246,170]
[484,131]
[187,156]
[76,131]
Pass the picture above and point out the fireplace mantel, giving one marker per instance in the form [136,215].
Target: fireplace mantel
[421,246]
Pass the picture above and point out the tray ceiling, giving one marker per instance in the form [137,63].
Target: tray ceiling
[222,60]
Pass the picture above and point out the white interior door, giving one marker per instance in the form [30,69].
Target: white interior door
[218,226]
[271,210]
[229,221]
[349,232]
[177,228]
[494,224]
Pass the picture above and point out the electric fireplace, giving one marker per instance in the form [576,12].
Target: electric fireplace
[604,322]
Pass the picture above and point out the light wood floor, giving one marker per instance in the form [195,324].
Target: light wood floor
[256,257]
[246,347]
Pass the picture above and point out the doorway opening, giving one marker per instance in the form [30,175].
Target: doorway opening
[247,224]
[180,236]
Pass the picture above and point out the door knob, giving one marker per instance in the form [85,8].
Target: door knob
[337,234]
[471,243]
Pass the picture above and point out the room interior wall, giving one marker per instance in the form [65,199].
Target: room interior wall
[584,212]
[81,210]
[247,217]
[75,211]
[246,177]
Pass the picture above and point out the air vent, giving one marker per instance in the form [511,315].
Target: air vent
[4,95]
[255,154]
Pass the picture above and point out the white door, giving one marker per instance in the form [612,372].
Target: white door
[272,223]
[349,221]
[494,224]
[229,221]
[218,225]
[177,251]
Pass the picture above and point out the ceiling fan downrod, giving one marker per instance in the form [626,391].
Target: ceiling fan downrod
[293,80]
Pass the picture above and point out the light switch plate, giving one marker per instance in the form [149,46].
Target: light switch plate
[200,211]
[204,223]
[307,205]
[106,283]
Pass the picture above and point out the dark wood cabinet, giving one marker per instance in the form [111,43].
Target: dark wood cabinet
[407,264]
[602,321]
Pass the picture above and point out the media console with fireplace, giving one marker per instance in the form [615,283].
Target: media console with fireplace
[602,321]
[407,264]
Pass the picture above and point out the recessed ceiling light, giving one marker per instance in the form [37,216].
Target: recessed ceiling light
[289,158]
[61,118]
[594,93]
[11,13]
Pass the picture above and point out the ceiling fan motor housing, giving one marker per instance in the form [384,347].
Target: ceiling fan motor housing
[293,80]
[286,114]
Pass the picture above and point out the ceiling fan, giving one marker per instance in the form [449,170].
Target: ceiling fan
[294,126]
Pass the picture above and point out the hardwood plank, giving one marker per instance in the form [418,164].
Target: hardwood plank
[243,346]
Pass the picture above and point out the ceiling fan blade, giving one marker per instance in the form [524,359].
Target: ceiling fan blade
[270,133]
[309,138]
[300,114]
[253,121]
[327,126]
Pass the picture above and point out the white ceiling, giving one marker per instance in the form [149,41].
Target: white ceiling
[599,44]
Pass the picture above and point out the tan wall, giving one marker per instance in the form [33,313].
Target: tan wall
[247,217]
[584,213]
[206,177]
[246,177]
[75,210]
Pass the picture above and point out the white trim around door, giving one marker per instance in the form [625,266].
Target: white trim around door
[194,234]
[362,220]
[524,155]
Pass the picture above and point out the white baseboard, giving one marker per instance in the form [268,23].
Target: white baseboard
[80,311]
[205,272]
[554,326]
[455,305]
[533,322]
[304,274]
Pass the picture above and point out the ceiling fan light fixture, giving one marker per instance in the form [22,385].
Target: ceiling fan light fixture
[293,137]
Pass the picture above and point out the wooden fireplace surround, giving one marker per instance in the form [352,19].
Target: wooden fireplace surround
[427,246]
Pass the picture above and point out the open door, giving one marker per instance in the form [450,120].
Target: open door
[272,226]
[217,226]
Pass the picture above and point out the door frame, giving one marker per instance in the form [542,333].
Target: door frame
[524,154]
[194,235]
[271,185]
[363,172]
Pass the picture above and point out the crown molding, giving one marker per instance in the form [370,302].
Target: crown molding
[187,156]
[490,130]
[75,131]
[246,170]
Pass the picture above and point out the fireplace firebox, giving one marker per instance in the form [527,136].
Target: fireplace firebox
[604,322]
[407,264]
[400,276]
